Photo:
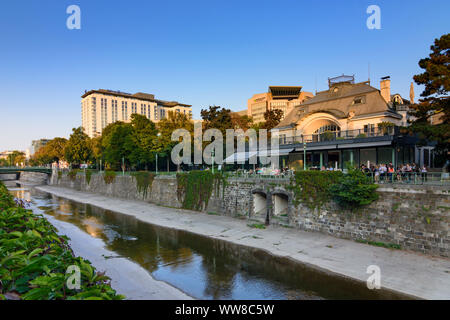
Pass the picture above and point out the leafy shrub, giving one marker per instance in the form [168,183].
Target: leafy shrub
[109,176]
[34,260]
[354,190]
[6,199]
[327,136]
[361,135]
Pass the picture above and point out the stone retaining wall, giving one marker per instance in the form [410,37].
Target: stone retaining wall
[414,217]
[162,192]
[34,177]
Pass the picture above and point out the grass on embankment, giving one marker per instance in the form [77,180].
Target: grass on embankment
[34,259]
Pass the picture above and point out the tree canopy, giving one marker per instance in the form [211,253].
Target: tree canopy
[78,149]
[435,102]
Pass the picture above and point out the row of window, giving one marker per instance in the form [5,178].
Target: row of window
[145,110]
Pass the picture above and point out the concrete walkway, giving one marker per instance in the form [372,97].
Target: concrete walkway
[407,272]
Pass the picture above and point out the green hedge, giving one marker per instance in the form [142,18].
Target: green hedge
[34,259]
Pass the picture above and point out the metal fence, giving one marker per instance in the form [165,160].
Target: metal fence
[412,178]
[341,135]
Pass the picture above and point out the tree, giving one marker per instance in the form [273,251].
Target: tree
[78,149]
[163,144]
[217,118]
[16,158]
[436,79]
[273,118]
[51,152]
[117,143]
[241,122]
[143,136]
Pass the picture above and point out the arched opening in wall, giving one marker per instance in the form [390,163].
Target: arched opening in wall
[280,204]
[259,205]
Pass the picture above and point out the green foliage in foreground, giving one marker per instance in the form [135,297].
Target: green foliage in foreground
[34,259]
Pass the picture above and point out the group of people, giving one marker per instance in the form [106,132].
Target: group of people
[387,172]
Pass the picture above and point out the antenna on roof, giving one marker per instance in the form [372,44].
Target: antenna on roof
[368,72]
[316,84]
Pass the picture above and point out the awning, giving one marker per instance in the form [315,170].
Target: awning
[240,156]
[279,152]
[364,144]
[325,147]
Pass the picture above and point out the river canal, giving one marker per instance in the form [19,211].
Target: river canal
[202,267]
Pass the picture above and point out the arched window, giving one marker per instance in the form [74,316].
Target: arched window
[328,127]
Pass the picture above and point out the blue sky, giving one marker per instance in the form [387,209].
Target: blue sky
[197,52]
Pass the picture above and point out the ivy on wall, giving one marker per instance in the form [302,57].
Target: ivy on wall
[109,177]
[88,175]
[144,181]
[316,188]
[313,187]
[72,174]
[195,188]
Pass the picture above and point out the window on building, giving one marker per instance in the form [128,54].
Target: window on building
[359,100]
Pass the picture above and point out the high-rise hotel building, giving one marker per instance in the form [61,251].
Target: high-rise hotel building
[284,98]
[102,107]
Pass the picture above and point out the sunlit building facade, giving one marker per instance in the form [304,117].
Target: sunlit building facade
[284,98]
[102,107]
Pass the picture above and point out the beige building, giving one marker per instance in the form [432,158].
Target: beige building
[102,107]
[284,98]
[349,122]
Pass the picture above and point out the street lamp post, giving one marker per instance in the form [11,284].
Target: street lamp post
[304,153]
[212,155]
[156,169]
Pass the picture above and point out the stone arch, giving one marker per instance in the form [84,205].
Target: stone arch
[314,121]
[281,204]
[260,205]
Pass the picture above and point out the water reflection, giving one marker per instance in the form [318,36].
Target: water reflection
[204,268]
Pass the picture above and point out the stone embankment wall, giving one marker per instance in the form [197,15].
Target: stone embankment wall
[162,192]
[34,177]
[413,217]
[8,176]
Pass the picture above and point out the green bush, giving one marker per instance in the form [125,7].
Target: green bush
[34,260]
[327,136]
[6,199]
[109,176]
[354,190]
[361,135]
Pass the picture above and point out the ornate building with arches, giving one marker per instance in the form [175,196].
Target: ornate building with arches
[349,122]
